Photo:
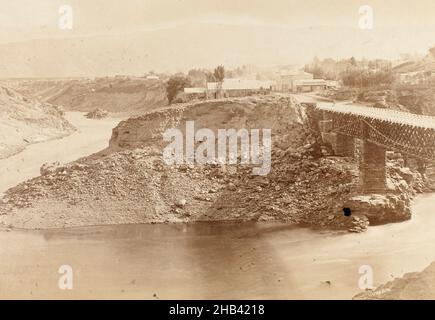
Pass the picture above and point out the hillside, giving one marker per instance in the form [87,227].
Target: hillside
[412,286]
[24,121]
[181,46]
[114,94]
[129,182]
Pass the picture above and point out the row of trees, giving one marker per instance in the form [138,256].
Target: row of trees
[367,78]
[353,73]
[196,78]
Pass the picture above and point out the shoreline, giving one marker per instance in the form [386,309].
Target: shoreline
[22,148]
[129,182]
[285,240]
[84,140]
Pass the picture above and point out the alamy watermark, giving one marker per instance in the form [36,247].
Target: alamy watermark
[200,147]
[66,279]
[366,21]
[365,282]
[65,21]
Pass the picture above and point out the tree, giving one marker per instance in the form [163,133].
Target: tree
[316,71]
[197,77]
[175,85]
[357,77]
[210,77]
[353,61]
[219,73]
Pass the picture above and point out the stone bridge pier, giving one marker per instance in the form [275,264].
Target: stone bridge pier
[341,144]
[365,133]
[372,168]
[371,157]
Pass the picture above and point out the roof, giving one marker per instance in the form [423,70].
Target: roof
[240,84]
[332,82]
[311,82]
[295,73]
[194,90]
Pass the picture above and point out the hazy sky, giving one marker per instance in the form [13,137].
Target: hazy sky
[132,36]
[27,19]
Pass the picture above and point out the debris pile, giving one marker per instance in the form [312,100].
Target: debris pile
[130,183]
[135,186]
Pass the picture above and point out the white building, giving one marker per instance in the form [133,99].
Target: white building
[286,82]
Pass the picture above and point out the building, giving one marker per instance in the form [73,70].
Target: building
[229,88]
[309,85]
[152,77]
[195,93]
[238,88]
[332,84]
[286,81]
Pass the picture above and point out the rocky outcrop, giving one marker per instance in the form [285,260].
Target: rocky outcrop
[97,114]
[49,168]
[402,184]
[379,208]
[276,113]
[132,184]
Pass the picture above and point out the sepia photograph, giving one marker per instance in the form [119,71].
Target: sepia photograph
[192,150]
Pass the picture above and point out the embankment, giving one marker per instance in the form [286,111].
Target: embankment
[119,95]
[24,121]
[130,183]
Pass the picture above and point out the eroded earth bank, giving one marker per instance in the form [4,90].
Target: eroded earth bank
[129,182]
[24,121]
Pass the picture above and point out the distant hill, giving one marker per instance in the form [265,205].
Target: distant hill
[425,64]
[192,45]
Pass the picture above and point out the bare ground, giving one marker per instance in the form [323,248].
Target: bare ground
[129,182]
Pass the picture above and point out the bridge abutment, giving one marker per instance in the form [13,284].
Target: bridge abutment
[374,131]
[341,144]
[344,145]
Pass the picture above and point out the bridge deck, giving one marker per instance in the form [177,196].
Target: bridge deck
[388,115]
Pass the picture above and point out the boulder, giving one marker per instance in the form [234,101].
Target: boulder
[48,168]
[379,208]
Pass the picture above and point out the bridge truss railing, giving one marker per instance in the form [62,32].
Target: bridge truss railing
[403,136]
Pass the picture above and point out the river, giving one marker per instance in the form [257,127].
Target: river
[213,261]
[91,136]
[200,261]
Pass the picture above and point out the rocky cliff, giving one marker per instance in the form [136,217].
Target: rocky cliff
[127,95]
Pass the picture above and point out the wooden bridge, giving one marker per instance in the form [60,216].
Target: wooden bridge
[377,130]
[401,131]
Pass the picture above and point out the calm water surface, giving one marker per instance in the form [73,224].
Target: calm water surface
[213,261]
